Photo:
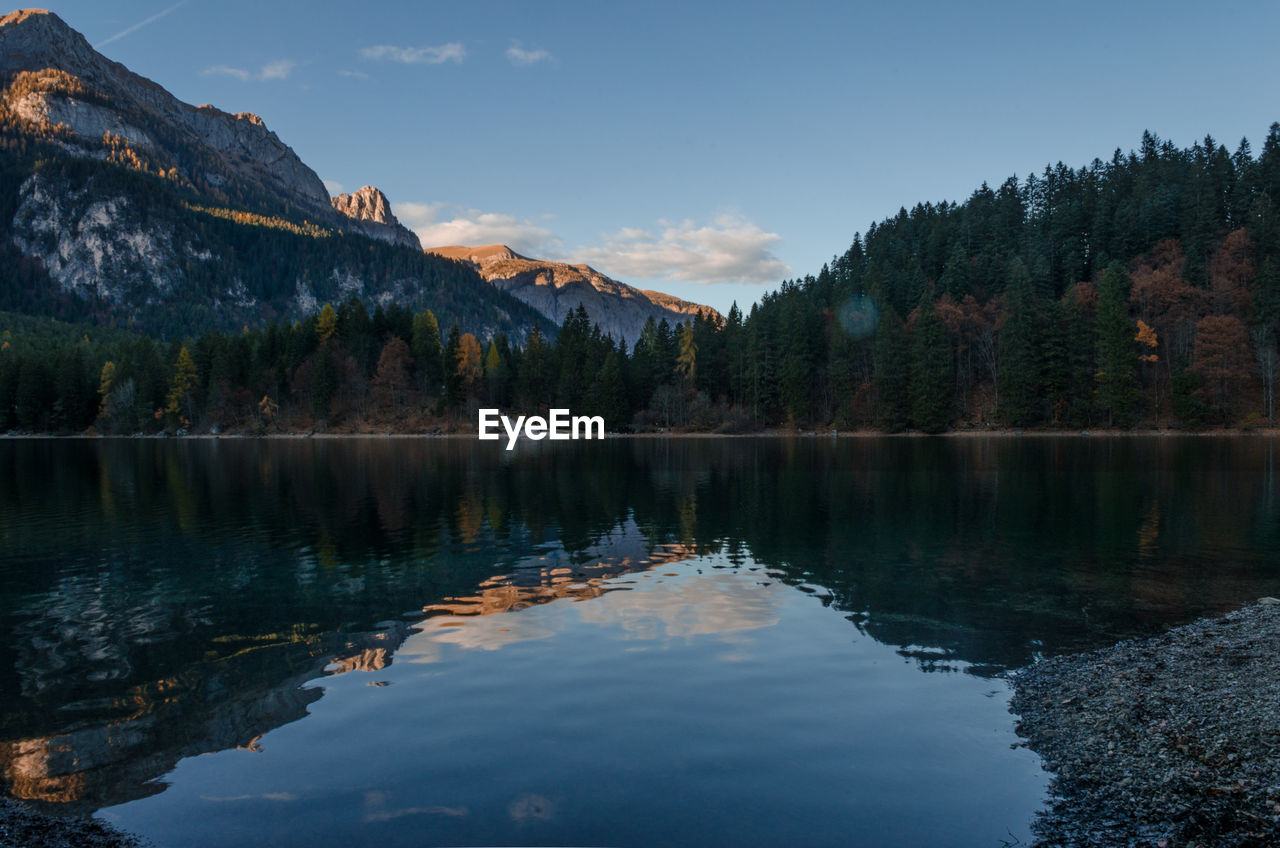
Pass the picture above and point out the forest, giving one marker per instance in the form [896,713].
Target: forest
[1141,291]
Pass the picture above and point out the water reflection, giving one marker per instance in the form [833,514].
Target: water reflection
[165,599]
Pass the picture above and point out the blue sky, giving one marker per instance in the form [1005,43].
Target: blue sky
[710,149]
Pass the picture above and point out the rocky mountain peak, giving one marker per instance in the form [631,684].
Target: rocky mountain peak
[371,208]
[32,39]
[367,204]
[556,289]
[480,257]
[40,21]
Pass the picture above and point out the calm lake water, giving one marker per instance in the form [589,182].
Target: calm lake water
[685,642]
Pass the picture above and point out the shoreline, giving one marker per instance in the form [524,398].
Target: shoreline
[22,826]
[1172,741]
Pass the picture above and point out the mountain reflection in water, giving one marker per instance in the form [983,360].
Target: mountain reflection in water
[163,599]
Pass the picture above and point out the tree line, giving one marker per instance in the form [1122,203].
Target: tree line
[1140,291]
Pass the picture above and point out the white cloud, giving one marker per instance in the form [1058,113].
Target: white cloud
[517,55]
[729,250]
[451,52]
[438,225]
[354,74]
[277,70]
[333,187]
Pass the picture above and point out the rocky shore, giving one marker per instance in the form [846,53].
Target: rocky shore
[23,827]
[1167,742]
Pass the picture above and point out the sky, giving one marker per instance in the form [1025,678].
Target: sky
[708,150]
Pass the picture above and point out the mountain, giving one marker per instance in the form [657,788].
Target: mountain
[371,208]
[556,289]
[121,204]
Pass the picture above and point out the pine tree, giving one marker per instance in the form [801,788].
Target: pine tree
[324,382]
[608,394]
[1117,351]
[428,353]
[1020,351]
[931,377]
[891,355]
[1068,363]
[453,387]
[534,386]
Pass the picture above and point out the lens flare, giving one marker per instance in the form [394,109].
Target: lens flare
[859,316]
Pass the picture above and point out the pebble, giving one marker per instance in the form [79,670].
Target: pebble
[1170,741]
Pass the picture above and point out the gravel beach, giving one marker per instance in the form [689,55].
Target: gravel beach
[1167,742]
[23,827]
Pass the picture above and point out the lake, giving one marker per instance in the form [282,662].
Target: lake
[685,642]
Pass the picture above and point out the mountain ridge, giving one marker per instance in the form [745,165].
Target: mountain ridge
[558,288]
[123,205]
[106,98]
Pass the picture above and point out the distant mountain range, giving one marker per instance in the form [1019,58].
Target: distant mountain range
[557,288]
[121,204]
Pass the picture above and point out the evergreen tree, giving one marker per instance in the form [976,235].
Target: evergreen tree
[1020,351]
[1068,363]
[608,394]
[931,376]
[534,385]
[1117,354]
[891,356]
[324,382]
[428,353]
[453,381]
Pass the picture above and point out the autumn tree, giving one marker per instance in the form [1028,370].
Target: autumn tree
[182,388]
[470,364]
[1163,299]
[326,324]
[394,374]
[1221,362]
[1147,344]
[687,360]
[1231,275]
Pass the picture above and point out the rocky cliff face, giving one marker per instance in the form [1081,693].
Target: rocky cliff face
[555,289]
[62,80]
[57,82]
[370,207]
[129,206]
